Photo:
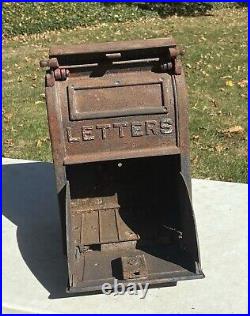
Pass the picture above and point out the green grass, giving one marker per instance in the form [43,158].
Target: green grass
[30,18]
[215,65]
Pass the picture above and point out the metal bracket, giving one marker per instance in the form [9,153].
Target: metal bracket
[134,267]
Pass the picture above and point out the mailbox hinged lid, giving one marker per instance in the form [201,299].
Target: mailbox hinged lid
[116,100]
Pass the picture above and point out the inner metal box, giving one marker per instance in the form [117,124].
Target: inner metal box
[118,121]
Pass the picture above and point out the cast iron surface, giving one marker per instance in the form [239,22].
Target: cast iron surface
[118,123]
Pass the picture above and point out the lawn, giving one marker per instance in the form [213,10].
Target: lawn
[216,72]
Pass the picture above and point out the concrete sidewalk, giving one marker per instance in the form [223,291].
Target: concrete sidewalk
[34,271]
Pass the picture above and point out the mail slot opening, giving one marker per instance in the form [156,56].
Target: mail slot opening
[129,211]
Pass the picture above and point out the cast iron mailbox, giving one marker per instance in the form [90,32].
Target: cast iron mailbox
[118,123]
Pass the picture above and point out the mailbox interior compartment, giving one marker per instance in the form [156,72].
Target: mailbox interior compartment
[126,223]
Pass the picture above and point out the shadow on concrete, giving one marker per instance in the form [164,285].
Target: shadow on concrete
[30,202]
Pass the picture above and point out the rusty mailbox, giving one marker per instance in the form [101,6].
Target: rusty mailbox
[118,122]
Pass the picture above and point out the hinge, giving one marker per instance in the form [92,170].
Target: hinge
[54,72]
[173,65]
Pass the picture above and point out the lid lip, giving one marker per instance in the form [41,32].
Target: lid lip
[112,47]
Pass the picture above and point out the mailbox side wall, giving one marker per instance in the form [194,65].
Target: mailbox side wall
[188,215]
